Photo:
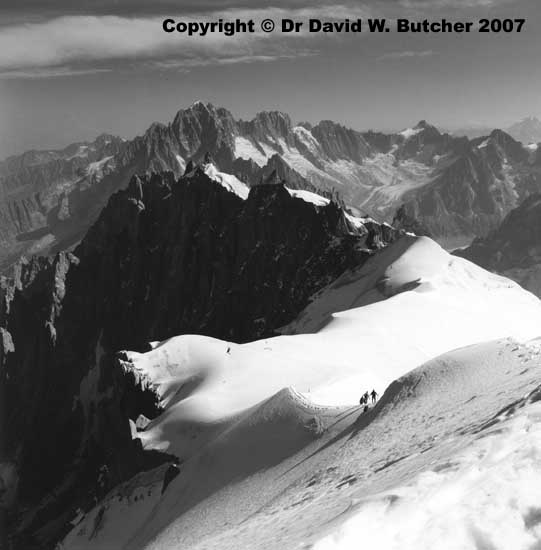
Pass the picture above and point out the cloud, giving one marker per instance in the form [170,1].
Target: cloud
[133,8]
[407,54]
[206,61]
[49,73]
[88,39]
[458,4]
[141,7]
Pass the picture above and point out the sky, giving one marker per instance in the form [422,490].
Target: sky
[72,69]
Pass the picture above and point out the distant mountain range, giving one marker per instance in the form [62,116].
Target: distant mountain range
[527,131]
[455,187]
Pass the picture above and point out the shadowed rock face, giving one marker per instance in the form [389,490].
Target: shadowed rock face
[484,179]
[514,248]
[47,194]
[166,256]
[405,222]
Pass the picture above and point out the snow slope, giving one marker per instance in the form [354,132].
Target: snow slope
[413,294]
[110,524]
[450,458]
[230,182]
[96,169]
[266,465]
[476,485]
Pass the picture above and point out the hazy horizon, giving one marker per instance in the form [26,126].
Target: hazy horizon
[69,73]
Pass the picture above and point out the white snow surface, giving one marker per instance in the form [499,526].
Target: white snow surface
[483,144]
[245,149]
[230,182]
[410,132]
[82,151]
[477,486]
[277,455]
[318,200]
[412,294]
[308,196]
[95,169]
[181,163]
[378,183]
[308,140]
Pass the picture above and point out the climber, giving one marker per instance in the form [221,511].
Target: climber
[374,396]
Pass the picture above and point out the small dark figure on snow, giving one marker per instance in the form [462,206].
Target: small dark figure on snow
[365,408]
[374,396]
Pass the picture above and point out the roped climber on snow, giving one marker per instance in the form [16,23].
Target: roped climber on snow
[366,396]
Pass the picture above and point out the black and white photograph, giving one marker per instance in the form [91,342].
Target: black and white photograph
[270,275]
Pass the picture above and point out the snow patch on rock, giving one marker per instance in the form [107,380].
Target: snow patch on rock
[230,182]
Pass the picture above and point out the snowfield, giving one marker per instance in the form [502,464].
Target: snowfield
[96,169]
[410,132]
[276,453]
[230,182]
[377,184]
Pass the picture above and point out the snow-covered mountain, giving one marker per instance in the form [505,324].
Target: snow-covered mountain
[527,131]
[456,188]
[275,452]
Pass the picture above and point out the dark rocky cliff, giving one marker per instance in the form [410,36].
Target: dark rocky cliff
[516,243]
[477,186]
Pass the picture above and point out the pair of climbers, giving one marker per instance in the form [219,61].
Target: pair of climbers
[366,396]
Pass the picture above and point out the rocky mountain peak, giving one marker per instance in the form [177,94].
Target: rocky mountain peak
[271,123]
[340,142]
[511,148]
[528,130]
[427,129]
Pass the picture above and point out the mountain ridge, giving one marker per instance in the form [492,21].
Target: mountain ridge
[457,188]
